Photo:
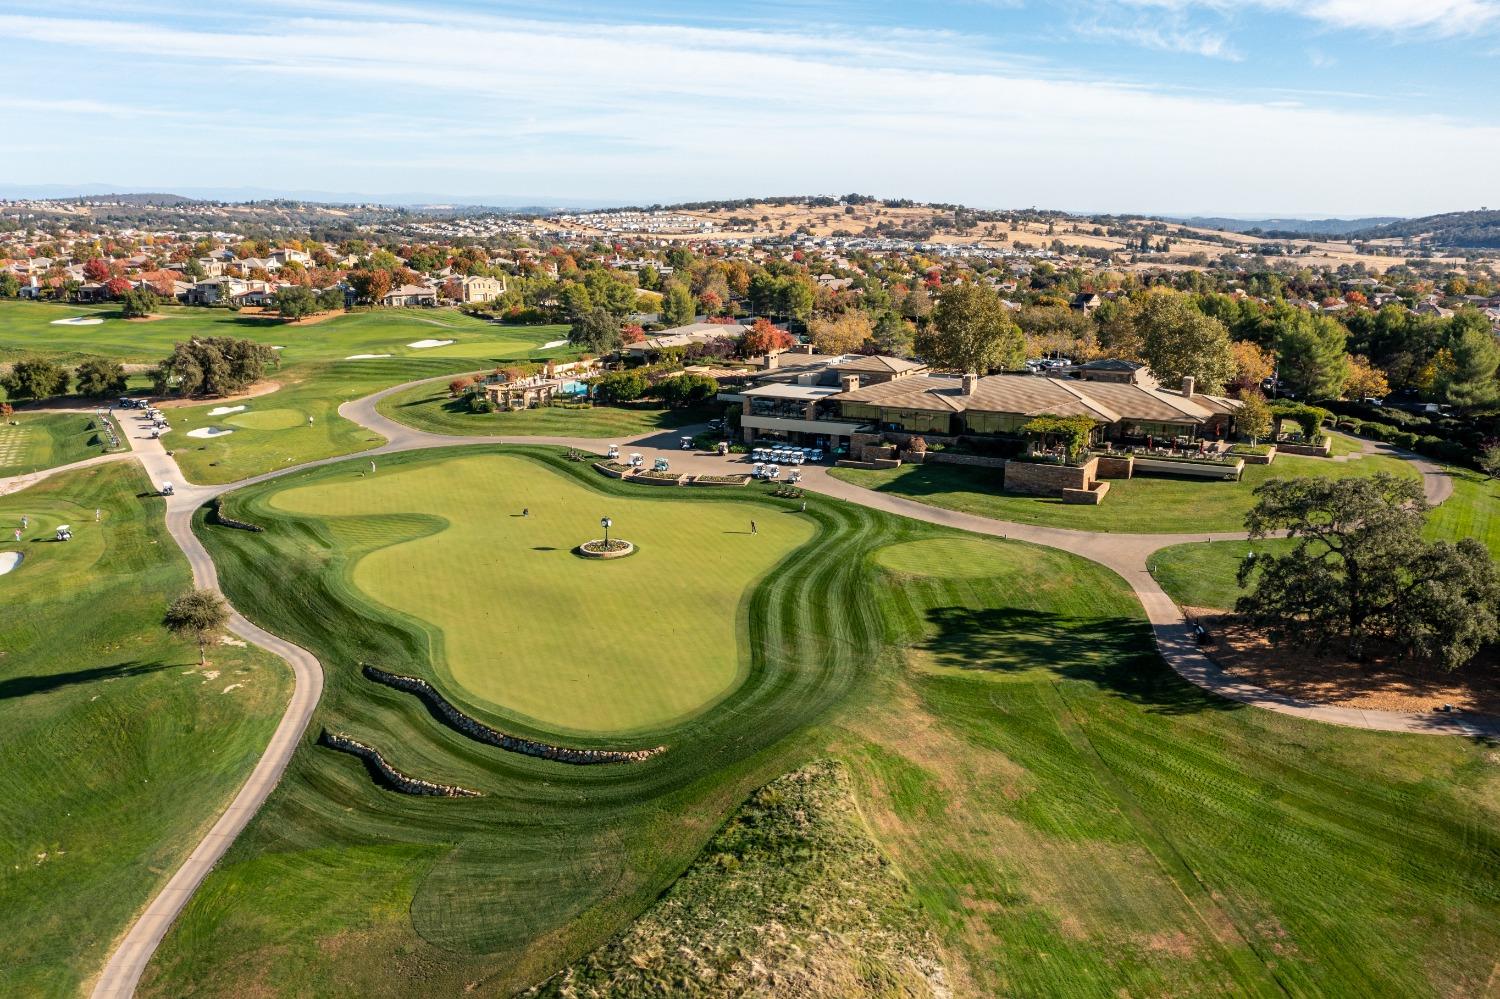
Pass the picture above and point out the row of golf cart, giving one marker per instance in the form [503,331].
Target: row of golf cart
[786,455]
[637,461]
[772,473]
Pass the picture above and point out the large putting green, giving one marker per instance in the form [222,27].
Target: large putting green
[526,626]
[45,440]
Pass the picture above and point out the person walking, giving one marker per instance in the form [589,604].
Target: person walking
[97,513]
[372,468]
[18,534]
[804,506]
[526,511]
[25,522]
[752,528]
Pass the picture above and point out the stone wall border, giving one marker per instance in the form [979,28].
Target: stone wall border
[480,732]
[387,775]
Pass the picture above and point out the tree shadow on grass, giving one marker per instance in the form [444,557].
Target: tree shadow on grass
[22,686]
[938,480]
[1116,654]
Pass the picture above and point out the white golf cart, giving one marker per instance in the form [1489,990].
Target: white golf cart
[64,533]
[687,443]
[636,461]
[613,452]
[661,465]
[167,489]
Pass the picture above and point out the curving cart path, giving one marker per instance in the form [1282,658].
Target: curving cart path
[1128,555]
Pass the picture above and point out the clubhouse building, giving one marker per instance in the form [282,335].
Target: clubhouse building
[826,401]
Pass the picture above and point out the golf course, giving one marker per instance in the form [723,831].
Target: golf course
[1066,814]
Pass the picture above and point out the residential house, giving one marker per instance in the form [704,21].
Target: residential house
[478,288]
[684,336]
[410,295]
[1085,302]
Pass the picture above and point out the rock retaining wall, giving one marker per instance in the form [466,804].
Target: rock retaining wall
[977,460]
[1116,466]
[1048,480]
[216,516]
[388,775]
[480,732]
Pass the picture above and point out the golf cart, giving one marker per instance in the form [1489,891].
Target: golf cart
[64,533]
[614,451]
[687,443]
[167,489]
[773,472]
[661,465]
[636,461]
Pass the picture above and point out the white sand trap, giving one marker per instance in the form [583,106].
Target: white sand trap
[278,348]
[209,432]
[554,343]
[424,344]
[77,321]
[225,410]
[9,560]
[364,357]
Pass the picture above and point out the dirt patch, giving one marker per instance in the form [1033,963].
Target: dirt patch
[253,392]
[145,319]
[315,318]
[1384,683]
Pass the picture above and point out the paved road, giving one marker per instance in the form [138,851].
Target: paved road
[1126,554]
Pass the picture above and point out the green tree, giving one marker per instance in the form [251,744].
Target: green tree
[1361,571]
[596,331]
[797,298]
[971,331]
[620,386]
[576,301]
[1253,418]
[212,366]
[893,335]
[677,305]
[1472,385]
[99,376]
[34,378]
[137,303]
[330,299]
[295,301]
[1177,341]
[200,616]
[10,285]
[686,390]
[1311,357]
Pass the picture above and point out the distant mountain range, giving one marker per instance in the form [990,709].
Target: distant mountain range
[402,199]
[1466,230]
[1288,228]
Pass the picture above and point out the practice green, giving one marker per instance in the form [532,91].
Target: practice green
[521,622]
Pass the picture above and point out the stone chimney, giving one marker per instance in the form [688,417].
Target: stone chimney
[1187,386]
[971,382]
[770,361]
[850,383]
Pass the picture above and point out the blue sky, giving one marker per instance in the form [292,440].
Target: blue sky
[1246,107]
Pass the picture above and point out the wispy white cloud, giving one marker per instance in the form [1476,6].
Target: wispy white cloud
[388,97]
[1437,17]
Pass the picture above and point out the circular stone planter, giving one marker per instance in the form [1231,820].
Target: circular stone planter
[596,549]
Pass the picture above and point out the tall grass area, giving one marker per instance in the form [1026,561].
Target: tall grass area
[118,750]
[46,440]
[1073,818]
[1079,821]
[1141,505]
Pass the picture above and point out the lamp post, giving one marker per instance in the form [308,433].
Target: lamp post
[606,523]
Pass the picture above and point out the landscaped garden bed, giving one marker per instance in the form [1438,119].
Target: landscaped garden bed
[599,548]
[655,478]
[614,469]
[1198,467]
[718,480]
[1254,454]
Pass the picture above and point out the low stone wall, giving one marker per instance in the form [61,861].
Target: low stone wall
[1116,466]
[1255,459]
[613,473]
[388,775]
[657,479]
[1306,450]
[216,516]
[1048,480]
[976,460]
[1092,496]
[480,732]
[1191,469]
[736,480]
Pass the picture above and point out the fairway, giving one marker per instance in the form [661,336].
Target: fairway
[46,440]
[430,407]
[528,628]
[118,749]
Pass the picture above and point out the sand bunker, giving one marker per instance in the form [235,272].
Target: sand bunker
[209,432]
[554,343]
[77,321]
[424,344]
[9,560]
[225,410]
[364,357]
